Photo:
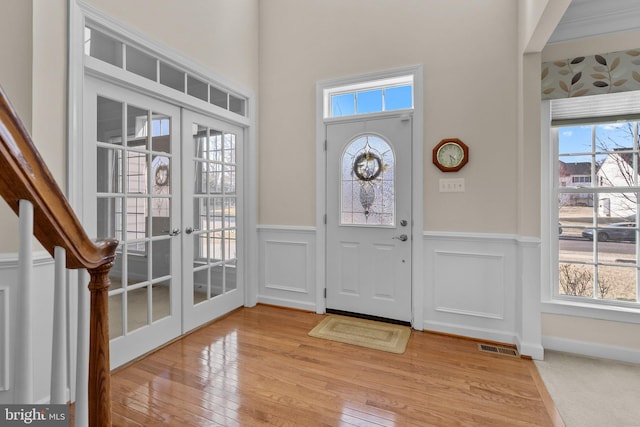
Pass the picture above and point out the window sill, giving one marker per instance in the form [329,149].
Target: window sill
[592,311]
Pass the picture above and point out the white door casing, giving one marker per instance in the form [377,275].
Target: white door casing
[368,267]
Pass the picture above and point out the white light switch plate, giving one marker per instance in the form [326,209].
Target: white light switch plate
[453,185]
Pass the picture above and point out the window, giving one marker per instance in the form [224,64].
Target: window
[367,183]
[596,194]
[101,45]
[581,179]
[371,97]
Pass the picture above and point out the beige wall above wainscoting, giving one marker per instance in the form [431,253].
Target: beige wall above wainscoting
[469,54]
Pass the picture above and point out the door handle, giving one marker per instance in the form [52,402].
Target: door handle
[175,232]
[190,230]
[402,237]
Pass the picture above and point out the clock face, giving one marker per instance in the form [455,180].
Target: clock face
[450,155]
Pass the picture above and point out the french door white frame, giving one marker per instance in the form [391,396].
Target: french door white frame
[417,281]
[79,65]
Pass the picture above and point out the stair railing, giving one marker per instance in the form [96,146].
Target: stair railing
[28,187]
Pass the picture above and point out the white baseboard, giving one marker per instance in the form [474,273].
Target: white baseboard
[591,349]
[533,350]
[465,331]
[288,303]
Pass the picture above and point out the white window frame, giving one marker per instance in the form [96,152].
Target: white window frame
[550,302]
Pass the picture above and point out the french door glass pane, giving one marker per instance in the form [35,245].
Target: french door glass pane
[137,308]
[109,123]
[160,133]
[109,220]
[115,274]
[161,300]
[110,170]
[217,280]
[161,255]
[200,285]
[137,128]
[214,210]
[115,316]
[230,276]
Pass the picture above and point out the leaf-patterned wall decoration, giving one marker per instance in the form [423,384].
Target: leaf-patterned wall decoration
[591,75]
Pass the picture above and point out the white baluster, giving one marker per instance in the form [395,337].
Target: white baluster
[23,354]
[59,345]
[82,362]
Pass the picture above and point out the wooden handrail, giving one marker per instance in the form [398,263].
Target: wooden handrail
[25,176]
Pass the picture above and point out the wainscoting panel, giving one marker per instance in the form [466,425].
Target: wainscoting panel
[287,266]
[471,285]
[481,283]
[42,320]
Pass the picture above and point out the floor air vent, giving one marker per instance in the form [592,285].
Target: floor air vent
[506,351]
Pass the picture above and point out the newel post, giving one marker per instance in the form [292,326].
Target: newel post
[99,367]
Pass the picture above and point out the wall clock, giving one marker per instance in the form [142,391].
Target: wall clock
[450,155]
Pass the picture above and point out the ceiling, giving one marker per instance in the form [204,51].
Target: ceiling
[589,18]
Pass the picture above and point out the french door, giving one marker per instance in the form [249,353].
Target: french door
[176,265]
[369,217]
[212,239]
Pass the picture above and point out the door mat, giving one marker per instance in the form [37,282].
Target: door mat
[364,333]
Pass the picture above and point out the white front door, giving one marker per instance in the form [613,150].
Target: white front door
[369,217]
[212,210]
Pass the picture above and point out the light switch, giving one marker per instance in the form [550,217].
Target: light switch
[452,185]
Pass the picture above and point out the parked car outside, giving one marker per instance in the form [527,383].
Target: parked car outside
[619,231]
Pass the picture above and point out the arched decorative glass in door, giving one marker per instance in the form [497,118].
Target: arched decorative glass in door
[367,182]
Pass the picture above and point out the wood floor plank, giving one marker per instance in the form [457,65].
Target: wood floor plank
[257,366]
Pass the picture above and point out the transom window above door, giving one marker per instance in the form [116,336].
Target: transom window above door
[375,96]
[134,59]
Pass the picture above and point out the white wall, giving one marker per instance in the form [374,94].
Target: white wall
[221,35]
[15,79]
[469,54]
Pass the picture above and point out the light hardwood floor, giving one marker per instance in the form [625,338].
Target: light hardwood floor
[257,366]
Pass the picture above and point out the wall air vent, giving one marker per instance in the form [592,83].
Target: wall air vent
[506,351]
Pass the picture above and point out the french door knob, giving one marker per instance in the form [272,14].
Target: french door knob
[190,230]
[402,237]
[175,232]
